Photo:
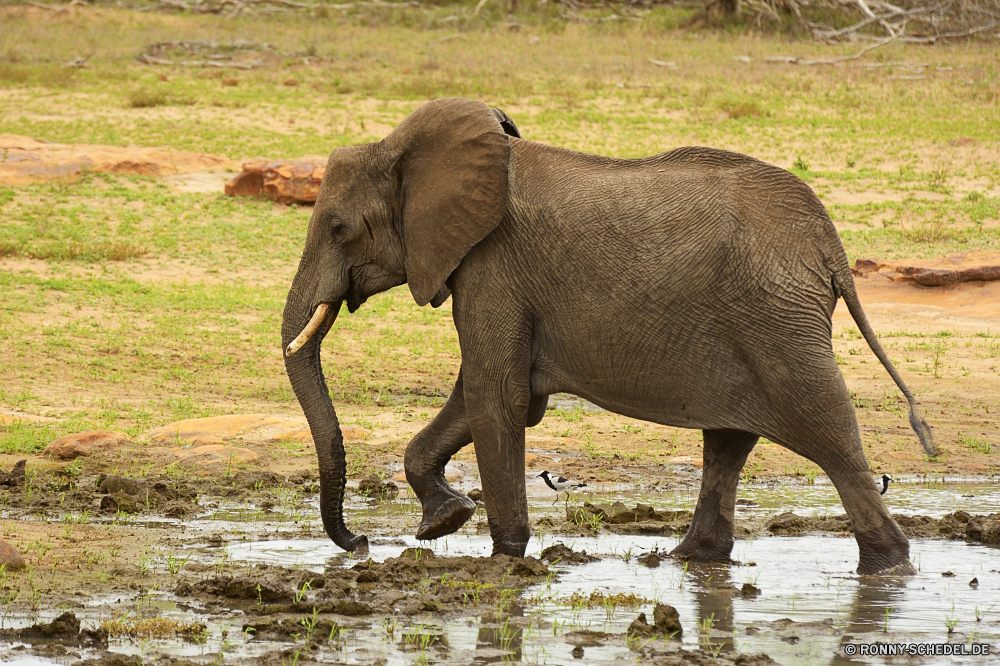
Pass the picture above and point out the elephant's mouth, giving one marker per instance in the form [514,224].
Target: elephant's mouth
[319,316]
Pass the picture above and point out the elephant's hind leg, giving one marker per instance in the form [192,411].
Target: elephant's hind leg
[444,509]
[818,422]
[710,538]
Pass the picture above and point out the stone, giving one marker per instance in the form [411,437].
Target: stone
[71,447]
[971,266]
[284,181]
[749,591]
[10,558]
[476,494]
[28,160]
[244,428]
[667,621]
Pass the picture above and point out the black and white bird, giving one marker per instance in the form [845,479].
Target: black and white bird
[560,484]
[882,484]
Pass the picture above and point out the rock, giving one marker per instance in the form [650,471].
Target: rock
[476,494]
[15,477]
[562,554]
[283,181]
[971,266]
[577,652]
[749,591]
[375,488]
[947,574]
[974,582]
[28,160]
[70,447]
[9,557]
[667,621]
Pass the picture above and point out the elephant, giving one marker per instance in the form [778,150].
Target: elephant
[693,289]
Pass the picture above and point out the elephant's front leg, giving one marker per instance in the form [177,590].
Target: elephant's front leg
[500,405]
[710,538]
[444,509]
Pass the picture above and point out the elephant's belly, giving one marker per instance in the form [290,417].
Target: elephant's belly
[659,395]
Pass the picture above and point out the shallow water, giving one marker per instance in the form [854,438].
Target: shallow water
[807,579]
[823,586]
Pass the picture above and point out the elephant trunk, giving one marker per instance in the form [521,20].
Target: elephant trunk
[306,374]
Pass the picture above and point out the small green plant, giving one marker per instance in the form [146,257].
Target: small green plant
[950,621]
[981,615]
[977,445]
[301,592]
[175,563]
[800,164]
[885,619]
[705,624]
[389,627]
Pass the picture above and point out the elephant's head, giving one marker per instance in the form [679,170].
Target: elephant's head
[405,209]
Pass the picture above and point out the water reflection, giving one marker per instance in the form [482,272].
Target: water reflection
[714,605]
[505,640]
[868,612]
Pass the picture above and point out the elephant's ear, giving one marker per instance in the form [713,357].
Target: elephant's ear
[507,123]
[452,160]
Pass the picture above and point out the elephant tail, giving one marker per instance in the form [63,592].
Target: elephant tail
[844,282]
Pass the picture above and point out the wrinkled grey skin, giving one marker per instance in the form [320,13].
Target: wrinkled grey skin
[692,289]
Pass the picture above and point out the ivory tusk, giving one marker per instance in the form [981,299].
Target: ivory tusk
[317,320]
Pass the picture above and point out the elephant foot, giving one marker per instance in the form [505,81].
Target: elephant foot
[512,548]
[704,549]
[884,554]
[902,569]
[445,516]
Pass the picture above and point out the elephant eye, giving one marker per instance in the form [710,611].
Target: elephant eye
[338,231]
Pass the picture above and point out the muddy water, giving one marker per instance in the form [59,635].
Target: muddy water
[810,604]
[805,579]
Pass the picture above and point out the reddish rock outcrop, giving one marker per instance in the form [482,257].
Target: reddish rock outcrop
[283,181]
[972,266]
[70,447]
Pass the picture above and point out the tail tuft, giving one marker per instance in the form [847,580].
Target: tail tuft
[923,431]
